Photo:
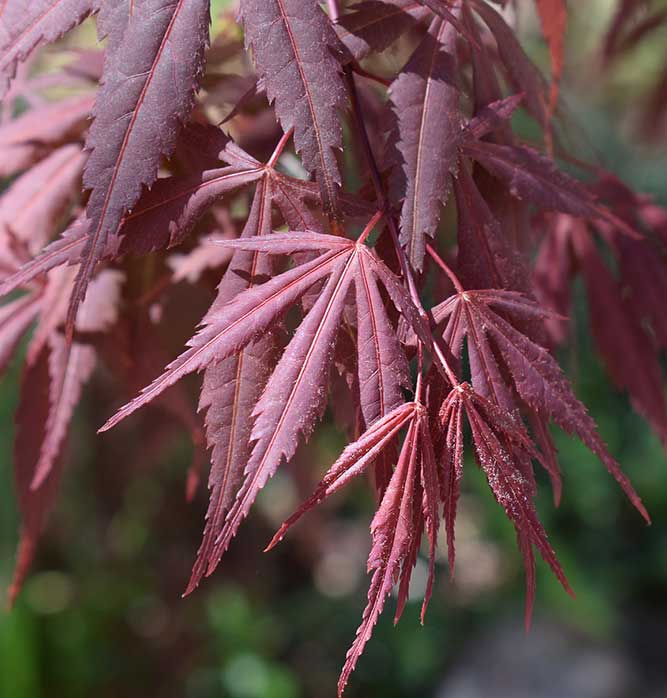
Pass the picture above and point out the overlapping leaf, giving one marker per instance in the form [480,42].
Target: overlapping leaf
[231,389]
[148,91]
[292,43]
[53,377]
[372,26]
[410,502]
[534,373]
[260,402]
[295,394]
[426,136]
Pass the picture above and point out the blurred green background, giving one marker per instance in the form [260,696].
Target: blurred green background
[102,614]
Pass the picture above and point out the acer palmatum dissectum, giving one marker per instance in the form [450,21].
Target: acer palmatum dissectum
[156,172]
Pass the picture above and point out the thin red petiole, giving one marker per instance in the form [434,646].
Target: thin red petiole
[369,226]
[370,76]
[445,267]
[420,370]
[282,143]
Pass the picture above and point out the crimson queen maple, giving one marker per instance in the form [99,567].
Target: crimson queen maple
[441,329]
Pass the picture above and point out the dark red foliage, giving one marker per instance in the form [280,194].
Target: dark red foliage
[113,179]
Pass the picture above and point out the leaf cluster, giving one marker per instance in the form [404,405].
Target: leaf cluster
[427,279]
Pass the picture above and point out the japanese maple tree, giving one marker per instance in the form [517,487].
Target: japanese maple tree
[421,253]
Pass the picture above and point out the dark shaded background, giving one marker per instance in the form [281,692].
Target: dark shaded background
[102,614]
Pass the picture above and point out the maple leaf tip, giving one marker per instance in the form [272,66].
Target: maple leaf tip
[192,585]
[639,506]
[109,424]
[341,688]
[280,534]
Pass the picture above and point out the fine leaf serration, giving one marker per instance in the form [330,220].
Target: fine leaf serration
[360,225]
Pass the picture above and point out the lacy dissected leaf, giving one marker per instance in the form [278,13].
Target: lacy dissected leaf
[382,366]
[71,365]
[503,450]
[410,502]
[450,457]
[535,374]
[147,92]
[354,460]
[535,178]
[23,27]
[485,255]
[167,213]
[54,375]
[227,329]
[426,136]
[295,395]
[230,391]
[392,536]
[501,446]
[522,71]
[373,25]
[292,42]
